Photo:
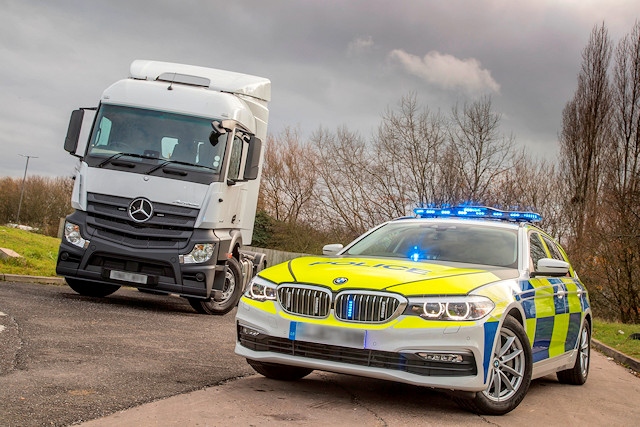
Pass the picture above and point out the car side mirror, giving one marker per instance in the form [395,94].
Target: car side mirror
[551,267]
[332,249]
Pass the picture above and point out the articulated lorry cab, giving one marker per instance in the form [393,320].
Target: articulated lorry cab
[166,190]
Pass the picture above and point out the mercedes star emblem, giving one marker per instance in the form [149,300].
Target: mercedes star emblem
[140,210]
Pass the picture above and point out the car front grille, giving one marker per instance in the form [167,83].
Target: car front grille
[349,306]
[405,362]
[367,306]
[305,300]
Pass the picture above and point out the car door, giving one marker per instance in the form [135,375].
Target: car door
[539,302]
[568,293]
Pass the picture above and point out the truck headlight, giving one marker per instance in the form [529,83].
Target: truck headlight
[201,252]
[261,289]
[465,307]
[73,235]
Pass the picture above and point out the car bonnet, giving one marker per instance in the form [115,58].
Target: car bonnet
[402,276]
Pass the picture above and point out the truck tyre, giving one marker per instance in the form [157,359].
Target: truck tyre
[276,371]
[230,294]
[91,289]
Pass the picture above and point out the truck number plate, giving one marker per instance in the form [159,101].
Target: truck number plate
[353,338]
[128,277]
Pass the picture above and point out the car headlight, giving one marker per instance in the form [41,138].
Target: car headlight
[261,290]
[73,235]
[464,307]
[201,252]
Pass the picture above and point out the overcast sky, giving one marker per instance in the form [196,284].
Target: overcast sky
[331,62]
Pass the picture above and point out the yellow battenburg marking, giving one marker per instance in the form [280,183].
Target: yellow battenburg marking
[268,306]
[559,336]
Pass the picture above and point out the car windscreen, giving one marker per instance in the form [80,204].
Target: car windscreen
[464,243]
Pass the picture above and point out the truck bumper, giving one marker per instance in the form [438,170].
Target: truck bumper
[105,261]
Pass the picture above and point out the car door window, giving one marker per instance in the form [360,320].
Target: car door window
[553,249]
[537,249]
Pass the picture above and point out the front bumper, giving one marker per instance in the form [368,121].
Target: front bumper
[149,267]
[408,349]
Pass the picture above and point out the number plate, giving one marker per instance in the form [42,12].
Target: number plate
[128,277]
[354,338]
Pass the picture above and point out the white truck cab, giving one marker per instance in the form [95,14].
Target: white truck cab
[166,191]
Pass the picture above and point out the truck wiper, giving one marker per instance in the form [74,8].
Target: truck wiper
[175,162]
[118,155]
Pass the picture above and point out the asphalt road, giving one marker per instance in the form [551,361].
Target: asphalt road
[65,359]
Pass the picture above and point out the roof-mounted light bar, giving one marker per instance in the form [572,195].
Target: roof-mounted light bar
[484,212]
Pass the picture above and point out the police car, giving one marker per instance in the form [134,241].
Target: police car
[473,300]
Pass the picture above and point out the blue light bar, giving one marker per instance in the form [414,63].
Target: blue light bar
[477,212]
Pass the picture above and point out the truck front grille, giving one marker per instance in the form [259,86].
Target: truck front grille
[169,228]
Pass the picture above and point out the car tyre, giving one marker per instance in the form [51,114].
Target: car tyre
[230,296]
[578,374]
[276,371]
[509,373]
[91,289]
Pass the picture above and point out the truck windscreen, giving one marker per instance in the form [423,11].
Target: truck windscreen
[155,138]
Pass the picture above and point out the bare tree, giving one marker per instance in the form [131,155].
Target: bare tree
[288,181]
[618,245]
[585,129]
[481,151]
[407,150]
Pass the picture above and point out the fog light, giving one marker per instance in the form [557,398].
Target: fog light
[442,357]
[248,331]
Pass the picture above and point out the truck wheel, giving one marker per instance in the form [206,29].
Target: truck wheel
[276,371]
[509,373]
[230,295]
[91,289]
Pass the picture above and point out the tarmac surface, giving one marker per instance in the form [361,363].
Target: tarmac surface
[610,397]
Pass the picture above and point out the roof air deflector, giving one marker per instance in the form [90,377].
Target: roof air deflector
[184,79]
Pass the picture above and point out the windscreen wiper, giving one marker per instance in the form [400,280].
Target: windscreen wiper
[118,155]
[175,162]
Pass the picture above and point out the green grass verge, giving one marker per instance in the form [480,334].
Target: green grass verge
[38,253]
[609,333]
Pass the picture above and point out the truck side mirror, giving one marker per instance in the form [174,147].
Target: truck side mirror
[73,132]
[252,165]
[220,127]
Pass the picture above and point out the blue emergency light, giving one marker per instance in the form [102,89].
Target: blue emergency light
[484,212]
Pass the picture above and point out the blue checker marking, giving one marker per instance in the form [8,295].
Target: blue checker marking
[573,332]
[529,307]
[560,303]
[490,330]
[542,339]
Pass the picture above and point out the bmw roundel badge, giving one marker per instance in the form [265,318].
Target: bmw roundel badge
[340,280]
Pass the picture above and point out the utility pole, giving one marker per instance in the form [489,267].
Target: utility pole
[22,190]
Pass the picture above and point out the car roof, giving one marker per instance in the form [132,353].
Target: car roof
[480,222]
